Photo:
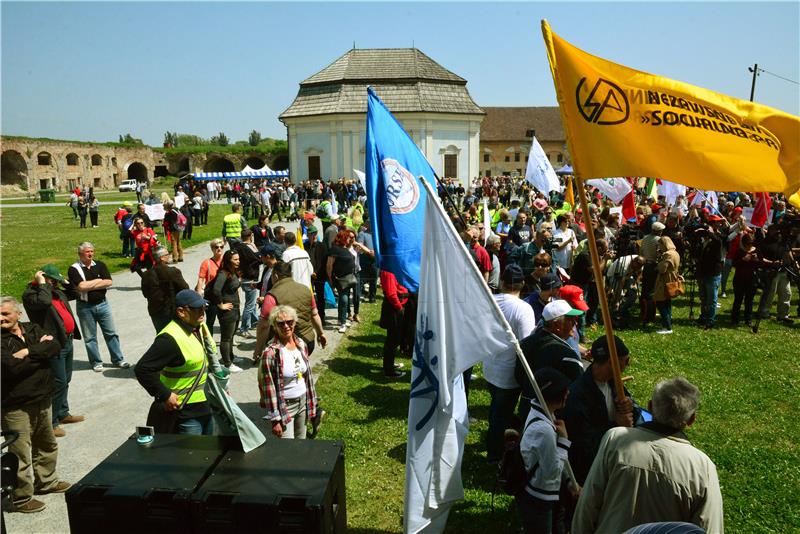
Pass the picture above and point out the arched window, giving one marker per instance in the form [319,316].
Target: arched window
[72,159]
[97,160]
[43,158]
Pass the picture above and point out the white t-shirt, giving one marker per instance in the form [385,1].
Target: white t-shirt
[564,255]
[293,364]
[498,369]
[302,269]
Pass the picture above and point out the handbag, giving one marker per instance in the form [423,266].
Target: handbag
[675,286]
[165,422]
[346,282]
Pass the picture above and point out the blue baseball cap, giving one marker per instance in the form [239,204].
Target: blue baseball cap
[186,298]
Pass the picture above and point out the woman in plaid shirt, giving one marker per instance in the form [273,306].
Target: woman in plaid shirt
[284,378]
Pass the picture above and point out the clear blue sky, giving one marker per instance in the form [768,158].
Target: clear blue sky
[90,71]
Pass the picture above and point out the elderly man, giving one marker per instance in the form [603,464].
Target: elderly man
[548,347]
[594,406]
[649,251]
[498,369]
[329,234]
[27,398]
[48,307]
[159,286]
[92,280]
[652,473]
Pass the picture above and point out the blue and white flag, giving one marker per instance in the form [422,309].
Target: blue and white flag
[540,172]
[395,196]
[443,349]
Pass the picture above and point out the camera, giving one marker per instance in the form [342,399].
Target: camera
[551,243]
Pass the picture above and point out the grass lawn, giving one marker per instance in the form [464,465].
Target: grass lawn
[33,237]
[746,423]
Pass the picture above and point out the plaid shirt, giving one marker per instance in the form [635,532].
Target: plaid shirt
[270,374]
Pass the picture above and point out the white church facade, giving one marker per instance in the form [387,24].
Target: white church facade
[326,123]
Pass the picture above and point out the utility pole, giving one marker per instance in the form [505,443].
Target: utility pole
[754,70]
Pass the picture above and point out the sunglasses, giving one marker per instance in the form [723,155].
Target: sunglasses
[218,247]
[541,265]
[285,324]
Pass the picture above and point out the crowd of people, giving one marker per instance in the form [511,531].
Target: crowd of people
[533,255]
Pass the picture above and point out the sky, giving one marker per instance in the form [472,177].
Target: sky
[92,71]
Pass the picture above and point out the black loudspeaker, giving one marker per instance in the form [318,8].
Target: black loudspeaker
[284,486]
[207,484]
[144,488]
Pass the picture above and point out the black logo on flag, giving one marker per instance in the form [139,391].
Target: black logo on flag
[604,104]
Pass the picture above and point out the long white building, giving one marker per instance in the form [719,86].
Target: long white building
[326,123]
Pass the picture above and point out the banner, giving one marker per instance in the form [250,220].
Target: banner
[395,198]
[154,211]
[624,122]
[443,349]
[671,191]
[539,172]
[614,188]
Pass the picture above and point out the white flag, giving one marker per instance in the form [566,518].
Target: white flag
[443,349]
[487,221]
[613,188]
[540,172]
[362,178]
[671,191]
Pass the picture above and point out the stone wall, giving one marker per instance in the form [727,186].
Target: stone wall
[34,164]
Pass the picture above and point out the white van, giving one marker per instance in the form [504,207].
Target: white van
[127,185]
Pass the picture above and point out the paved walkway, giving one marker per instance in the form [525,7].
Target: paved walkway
[114,403]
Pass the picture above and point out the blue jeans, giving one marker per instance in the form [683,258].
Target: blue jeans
[199,426]
[501,417]
[128,245]
[91,315]
[249,314]
[665,309]
[62,373]
[709,288]
[344,305]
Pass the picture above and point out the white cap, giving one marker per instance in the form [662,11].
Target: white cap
[559,308]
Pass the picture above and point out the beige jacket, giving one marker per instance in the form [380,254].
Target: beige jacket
[641,476]
[668,264]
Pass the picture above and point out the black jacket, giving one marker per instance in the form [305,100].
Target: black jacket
[587,420]
[249,261]
[545,349]
[38,302]
[159,286]
[30,379]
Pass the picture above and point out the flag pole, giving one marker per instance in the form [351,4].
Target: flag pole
[600,283]
[502,318]
[449,198]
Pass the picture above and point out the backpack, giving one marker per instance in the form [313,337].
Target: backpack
[180,221]
[512,477]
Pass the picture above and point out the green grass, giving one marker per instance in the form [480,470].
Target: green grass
[33,237]
[747,423]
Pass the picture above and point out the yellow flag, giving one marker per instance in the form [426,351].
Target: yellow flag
[624,122]
[794,200]
[300,238]
[569,196]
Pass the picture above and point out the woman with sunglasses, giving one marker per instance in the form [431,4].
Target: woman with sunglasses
[146,241]
[284,378]
[208,271]
[225,296]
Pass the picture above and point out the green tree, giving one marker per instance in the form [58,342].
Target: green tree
[221,139]
[255,138]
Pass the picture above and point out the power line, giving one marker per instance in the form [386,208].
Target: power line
[779,76]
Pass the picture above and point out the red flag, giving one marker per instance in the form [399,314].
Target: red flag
[761,211]
[629,206]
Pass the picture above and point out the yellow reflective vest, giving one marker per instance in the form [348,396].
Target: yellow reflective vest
[233,225]
[180,379]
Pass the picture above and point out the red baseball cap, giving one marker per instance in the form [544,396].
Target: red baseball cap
[655,207]
[714,218]
[574,296]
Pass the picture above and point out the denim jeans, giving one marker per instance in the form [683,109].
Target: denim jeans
[501,417]
[344,305]
[92,315]
[710,289]
[128,245]
[198,426]
[665,309]
[249,314]
[62,373]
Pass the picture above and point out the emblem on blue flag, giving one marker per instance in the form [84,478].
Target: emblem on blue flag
[393,165]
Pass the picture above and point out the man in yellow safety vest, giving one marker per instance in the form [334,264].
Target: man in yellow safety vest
[232,225]
[174,371]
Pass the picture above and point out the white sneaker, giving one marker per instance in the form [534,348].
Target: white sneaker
[97,368]
[234,368]
[663,331]
[348,324]
[343,329]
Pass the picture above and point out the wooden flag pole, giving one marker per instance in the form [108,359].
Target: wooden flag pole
[601,287]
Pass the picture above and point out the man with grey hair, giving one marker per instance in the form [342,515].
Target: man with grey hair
[651,473]
[92,279]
